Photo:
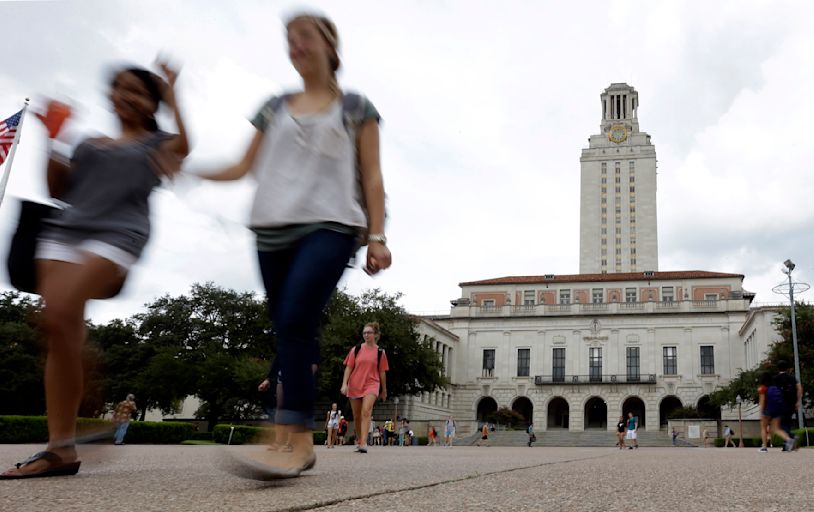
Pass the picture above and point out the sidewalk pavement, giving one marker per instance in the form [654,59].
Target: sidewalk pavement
[189,478]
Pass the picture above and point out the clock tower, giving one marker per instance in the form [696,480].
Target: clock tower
[618,191]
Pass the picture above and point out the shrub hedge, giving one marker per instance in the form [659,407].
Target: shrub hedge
[34,429]
[756,442]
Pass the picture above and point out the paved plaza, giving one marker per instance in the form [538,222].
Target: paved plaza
[189,478]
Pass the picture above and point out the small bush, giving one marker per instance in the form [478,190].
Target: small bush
[684,412]
[422,440]
[320,437]
[200,436]
[158,432]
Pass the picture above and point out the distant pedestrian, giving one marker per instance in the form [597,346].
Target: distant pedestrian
[449,432]
[432,436]
[484,432]
[674,435]
[792,392]
[370,432]
[402,431]
[122,416]
[389,432]
[632,430]
[771,409]
[332,424]
[530,432]
[621,426]
[705,436]
[342,430]
[728,437]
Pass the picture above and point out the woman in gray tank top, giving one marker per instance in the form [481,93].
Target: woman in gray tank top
[85,250]
[312,206]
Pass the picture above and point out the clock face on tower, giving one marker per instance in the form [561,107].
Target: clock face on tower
[617,133]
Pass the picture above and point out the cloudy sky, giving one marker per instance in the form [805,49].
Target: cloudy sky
[486,108]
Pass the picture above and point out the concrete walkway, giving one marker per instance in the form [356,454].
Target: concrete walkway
[188,478]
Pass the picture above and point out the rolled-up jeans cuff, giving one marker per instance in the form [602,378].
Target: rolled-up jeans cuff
[289,417]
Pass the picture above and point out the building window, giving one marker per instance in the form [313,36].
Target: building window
[667,294]
[558,365]
[632,189]
[670,360]
[632,179]
[529,298]
[630,294]
[488,362]
[632,209]
[710,296]
[488,304]
[604,211]
[604,181]
[633,364]
[618,231]
[597,296]
[604,231]
[604,167]
[618,189]
[595,365]
[523,360]
[707,360]
[604,263]
[618,180]
[604,200]
[565,296]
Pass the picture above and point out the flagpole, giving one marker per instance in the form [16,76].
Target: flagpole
[13,149]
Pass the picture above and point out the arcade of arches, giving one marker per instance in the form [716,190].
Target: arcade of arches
[596,412]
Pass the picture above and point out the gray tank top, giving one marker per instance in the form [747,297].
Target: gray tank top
[107,195]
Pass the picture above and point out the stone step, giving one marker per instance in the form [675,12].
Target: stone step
[569,438]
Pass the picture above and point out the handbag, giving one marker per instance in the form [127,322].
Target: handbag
[22,269]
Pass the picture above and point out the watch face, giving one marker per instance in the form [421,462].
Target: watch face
[617,133]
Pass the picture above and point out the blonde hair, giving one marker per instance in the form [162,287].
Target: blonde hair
[330,35]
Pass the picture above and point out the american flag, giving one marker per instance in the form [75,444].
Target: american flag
[8,130]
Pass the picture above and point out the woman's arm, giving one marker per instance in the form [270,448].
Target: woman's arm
[378,256]
[57,175]
[345,377]
[237,171]
[383,393]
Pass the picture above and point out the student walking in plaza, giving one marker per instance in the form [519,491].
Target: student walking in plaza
[332,424]
[771,408]
[122,416]
[632,430]
[319,196]
[365,380]
[792,392]
[85,251]
[532,435]
[728,437]
[620,433]
[449,432]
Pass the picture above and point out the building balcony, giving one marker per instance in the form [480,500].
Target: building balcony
[602,308]
[549,380]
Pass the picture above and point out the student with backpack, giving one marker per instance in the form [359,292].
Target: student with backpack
[792,392]
[364,381]
[771,408]
[320,196]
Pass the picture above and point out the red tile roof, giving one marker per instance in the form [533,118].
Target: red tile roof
[598,278]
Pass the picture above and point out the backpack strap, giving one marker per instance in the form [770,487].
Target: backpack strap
[353,111]
[358,347]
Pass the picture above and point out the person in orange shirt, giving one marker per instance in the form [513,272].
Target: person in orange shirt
[364,381]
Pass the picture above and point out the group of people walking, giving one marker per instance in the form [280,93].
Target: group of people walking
[320,197]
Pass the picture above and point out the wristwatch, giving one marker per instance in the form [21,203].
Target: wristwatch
[377,237]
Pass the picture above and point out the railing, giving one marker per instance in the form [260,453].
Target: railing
[609,308]
[542,380]
[488,372]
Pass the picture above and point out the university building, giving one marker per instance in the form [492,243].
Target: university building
[577,351]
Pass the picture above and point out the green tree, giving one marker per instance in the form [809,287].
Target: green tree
[223,345]
[746,382]
[21,356]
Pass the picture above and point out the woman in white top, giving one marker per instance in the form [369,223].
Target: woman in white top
[332,424]
[319,195]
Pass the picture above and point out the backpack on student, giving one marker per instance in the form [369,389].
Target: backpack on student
[788,389]
[358,347]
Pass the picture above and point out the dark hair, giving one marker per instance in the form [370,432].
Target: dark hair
[783,365]
[152,83]
[766,379]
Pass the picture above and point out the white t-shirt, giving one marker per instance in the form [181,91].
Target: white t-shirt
[306,172]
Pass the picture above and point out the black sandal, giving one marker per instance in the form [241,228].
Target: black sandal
[56,467]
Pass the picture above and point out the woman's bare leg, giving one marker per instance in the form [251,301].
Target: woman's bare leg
[356,407]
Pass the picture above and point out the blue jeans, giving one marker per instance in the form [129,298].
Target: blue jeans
[299,282]
[121,430]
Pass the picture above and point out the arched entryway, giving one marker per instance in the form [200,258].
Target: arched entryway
[557,413]
[635,405]
[525,408]
[707,410]
[596,413]
[486,407]
[668,404]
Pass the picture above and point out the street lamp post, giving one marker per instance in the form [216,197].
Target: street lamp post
[789,267]
[739,400]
